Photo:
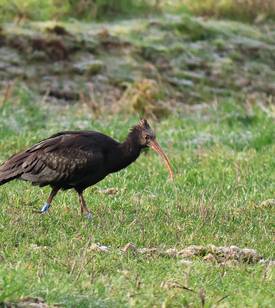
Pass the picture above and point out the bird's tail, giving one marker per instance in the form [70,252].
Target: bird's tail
[12,168]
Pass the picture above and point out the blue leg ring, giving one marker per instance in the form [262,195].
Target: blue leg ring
[45,208]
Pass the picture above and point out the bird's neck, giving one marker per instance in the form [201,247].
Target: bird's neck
[127,152]
[130,148]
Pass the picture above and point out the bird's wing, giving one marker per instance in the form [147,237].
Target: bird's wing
[61,158]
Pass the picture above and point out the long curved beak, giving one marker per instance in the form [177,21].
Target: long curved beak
[156,147]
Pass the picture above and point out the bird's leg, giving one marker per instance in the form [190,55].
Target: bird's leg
[47,204]
[83,206]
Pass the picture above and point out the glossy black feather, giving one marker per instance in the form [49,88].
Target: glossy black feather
[71,159]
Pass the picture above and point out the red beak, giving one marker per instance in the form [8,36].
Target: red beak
[156,147]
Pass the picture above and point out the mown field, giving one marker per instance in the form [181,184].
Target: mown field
[207,87]
[223,157]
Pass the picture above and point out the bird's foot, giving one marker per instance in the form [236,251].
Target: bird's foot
[45,208]
[89,216]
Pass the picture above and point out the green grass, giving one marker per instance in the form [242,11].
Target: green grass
[55,9]
[224,163]
[244,10]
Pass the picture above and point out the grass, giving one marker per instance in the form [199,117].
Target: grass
[55,9]
[224,163]
[243,10]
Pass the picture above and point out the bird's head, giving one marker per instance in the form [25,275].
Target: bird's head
[147,138]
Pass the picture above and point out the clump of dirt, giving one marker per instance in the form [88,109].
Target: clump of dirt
[34,302]
[209,253]
[267,203]
[58,30]
[53,48]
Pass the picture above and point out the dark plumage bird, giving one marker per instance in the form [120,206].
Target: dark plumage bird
[78,159]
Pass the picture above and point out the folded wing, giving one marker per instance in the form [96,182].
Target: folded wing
[65,157]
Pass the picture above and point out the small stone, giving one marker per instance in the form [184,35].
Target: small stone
[172,252]
[192,251]
[209,258]
[185,262]
[249,255]
[103,248]
[98,248]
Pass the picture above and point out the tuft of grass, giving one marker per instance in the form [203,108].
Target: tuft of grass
[144,98]
[224,163]
[244,10]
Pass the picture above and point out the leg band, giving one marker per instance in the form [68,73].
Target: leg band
[45,207]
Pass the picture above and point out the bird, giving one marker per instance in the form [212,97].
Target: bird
[79,159]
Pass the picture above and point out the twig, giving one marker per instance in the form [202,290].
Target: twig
[221,299]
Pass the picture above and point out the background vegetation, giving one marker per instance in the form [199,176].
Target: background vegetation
[245,10]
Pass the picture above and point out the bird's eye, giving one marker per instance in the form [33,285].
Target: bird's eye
[147,137]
